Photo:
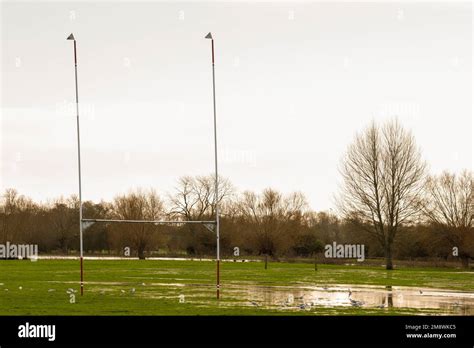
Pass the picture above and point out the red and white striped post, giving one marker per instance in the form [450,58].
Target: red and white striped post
[71,37]
[216,197]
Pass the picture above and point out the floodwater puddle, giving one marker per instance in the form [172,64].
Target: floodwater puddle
[362,296]
[308,297]
[305,297]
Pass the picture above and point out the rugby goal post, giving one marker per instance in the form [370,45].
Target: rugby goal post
[84,223]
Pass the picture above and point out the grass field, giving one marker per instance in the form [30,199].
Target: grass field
[134,287]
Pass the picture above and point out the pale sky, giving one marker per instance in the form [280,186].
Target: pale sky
[294,82]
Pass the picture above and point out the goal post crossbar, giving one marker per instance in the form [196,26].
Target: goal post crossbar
[156,222]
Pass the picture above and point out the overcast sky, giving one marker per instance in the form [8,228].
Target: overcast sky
[294,84]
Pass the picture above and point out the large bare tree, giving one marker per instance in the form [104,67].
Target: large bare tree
[383,176]
[449,206]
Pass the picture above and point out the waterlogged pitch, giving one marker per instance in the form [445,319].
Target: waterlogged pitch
[134,287]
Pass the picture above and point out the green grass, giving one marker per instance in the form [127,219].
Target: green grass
[109,284]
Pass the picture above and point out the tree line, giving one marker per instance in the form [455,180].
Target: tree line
[388,202]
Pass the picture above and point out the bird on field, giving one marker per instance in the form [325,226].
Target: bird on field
[143,284]
[254,303]
[50,290]
[132,291]
[354,303]
[20,287]
[122,291]
[421,292]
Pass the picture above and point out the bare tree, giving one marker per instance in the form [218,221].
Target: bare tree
[9,208]
[272,217]
[17,216]
[98,236]
[139,205]
[64,220]
[324,224]
[194,198]
[449,205]
[383,176]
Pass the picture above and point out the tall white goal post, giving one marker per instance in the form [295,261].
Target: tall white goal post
[84,222]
